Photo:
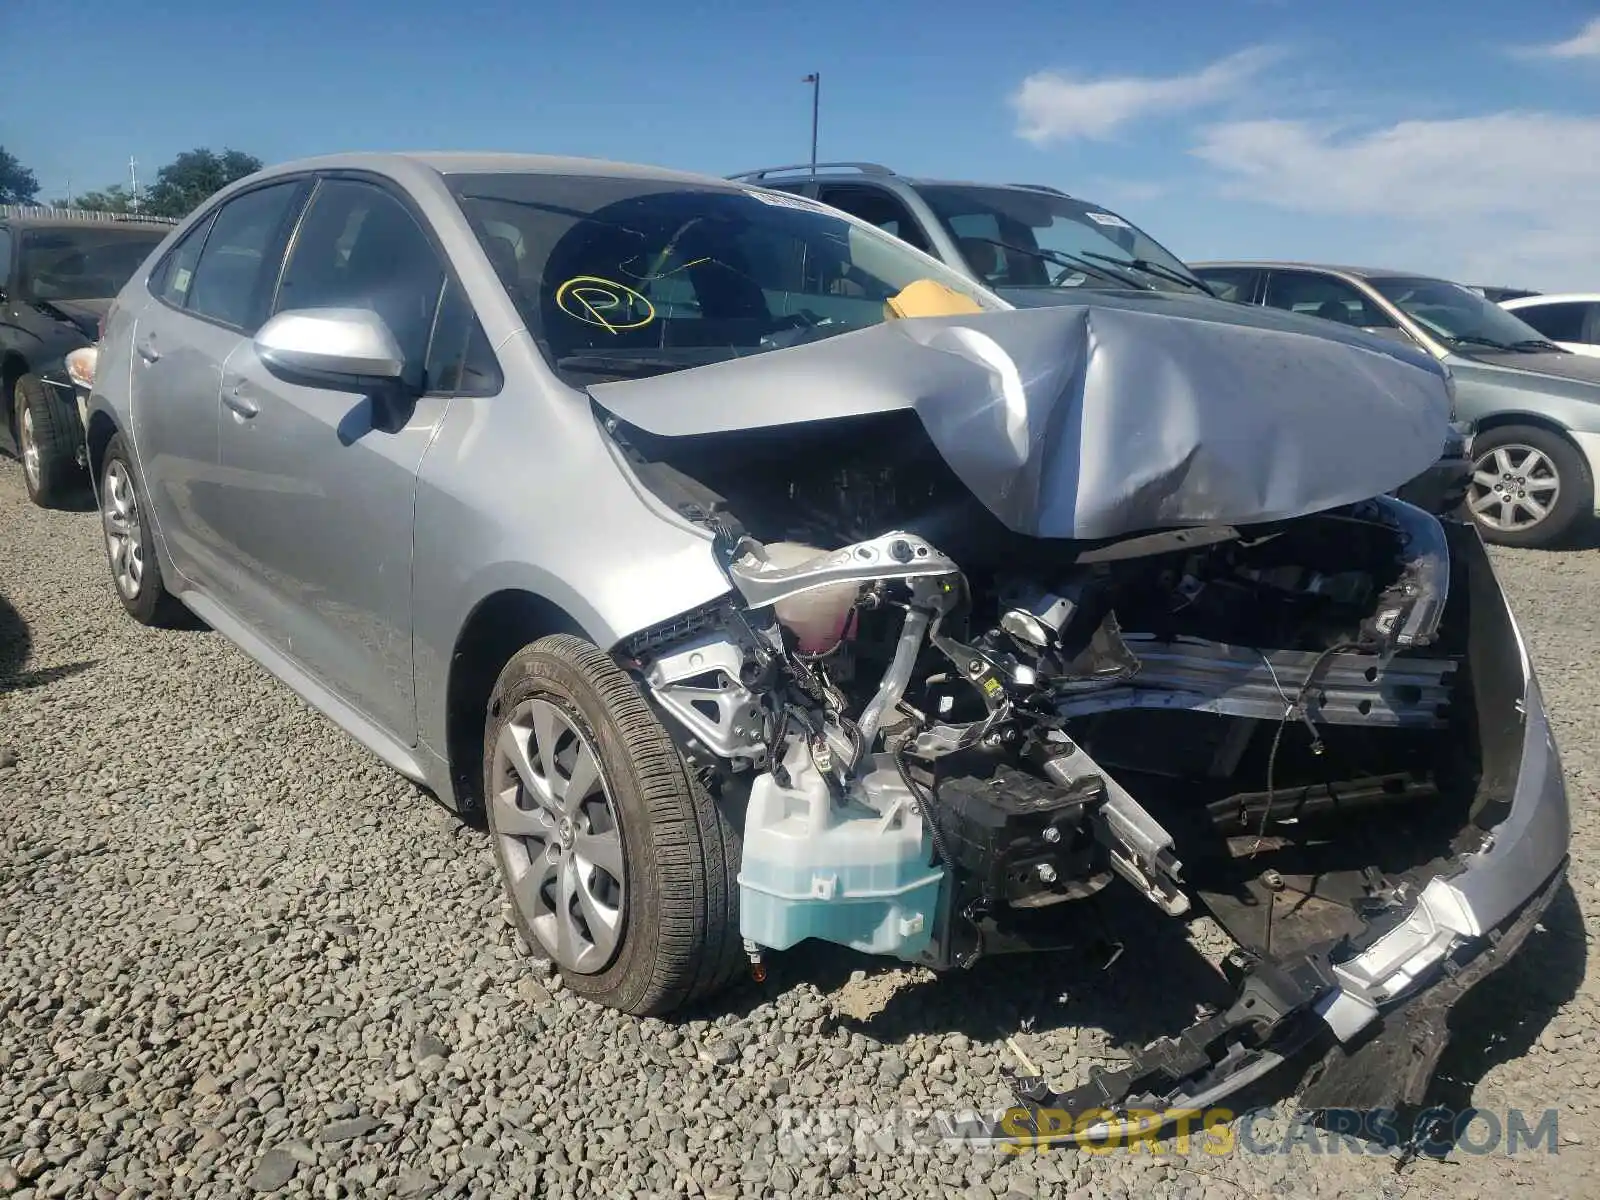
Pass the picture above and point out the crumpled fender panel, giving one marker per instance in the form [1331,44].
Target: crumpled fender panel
[1095,420]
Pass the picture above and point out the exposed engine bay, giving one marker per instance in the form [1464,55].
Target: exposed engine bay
[945,735]
[963,718]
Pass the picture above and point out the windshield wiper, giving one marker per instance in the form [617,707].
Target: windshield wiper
[1537,346]
[1156,269]
[1061,258]
[624,364]
[1477,339]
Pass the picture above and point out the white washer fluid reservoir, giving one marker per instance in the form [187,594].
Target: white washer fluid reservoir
[858,873]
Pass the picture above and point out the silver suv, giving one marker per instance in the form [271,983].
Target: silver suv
[1032,243]
[762,580]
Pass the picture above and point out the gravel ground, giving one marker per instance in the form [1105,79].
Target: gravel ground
[240,957]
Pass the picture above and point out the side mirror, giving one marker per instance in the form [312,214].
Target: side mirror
[349,348]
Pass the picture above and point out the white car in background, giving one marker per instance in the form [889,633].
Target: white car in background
[1571,321]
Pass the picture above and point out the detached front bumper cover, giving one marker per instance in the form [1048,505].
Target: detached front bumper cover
[1383,1010]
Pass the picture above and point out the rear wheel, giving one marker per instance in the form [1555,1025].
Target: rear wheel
[47,442]
[135,572]
[1529,486]
[620,867]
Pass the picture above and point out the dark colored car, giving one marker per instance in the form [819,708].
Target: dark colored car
[58,275]
[1500,295]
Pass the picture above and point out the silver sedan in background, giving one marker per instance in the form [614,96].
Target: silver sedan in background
[1536,405]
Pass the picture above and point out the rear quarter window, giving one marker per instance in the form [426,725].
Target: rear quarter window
[173,275]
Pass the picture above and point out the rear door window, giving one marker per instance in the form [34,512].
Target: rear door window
[234,276]
[172,277]
[877,207]
[1560,320]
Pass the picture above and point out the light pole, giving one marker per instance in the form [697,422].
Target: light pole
[815,80]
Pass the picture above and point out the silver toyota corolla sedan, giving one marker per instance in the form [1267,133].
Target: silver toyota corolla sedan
[762,580]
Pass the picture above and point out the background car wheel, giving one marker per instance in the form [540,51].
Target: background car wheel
[130,548]
[1529,486]
[47,442]
[620,867]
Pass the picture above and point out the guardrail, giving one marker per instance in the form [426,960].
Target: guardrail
[80,214]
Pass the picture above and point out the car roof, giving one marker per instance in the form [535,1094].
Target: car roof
[851,172]
[452,162]
[1331,268]
[1554,298]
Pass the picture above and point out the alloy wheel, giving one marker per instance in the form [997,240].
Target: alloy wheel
[1514,487]
[562,842]
[29,446]
[124,530]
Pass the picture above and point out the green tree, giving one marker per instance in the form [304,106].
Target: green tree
[18,185]
[115,199]
[184,183]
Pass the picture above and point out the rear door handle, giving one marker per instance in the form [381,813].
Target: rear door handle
[240,403]
[147,348]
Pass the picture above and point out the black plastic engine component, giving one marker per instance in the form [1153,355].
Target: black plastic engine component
[1013,834]
[1243,811]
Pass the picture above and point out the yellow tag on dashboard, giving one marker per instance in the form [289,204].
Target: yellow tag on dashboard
[928,298]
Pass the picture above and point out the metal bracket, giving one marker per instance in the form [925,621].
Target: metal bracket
[1140,847]
[892,556]
[700,684]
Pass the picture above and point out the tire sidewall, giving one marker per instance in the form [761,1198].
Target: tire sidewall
[145,607]
[1575,501]
[55,469]
[538,675]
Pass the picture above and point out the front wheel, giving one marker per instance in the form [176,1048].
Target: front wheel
[1529,486]
[621,868]
[47,440]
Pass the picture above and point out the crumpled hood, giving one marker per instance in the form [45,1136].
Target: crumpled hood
[1197,306]
[1095,420]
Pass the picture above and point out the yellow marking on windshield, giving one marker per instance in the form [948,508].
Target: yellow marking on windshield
[588,298]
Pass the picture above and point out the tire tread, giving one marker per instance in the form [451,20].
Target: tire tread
[154,606]
[694,846]
[53,434]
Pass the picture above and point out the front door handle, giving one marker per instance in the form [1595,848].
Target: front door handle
[240,403]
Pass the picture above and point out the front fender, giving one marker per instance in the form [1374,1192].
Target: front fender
[518,495]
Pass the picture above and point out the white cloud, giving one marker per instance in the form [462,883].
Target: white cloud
[1532,163]
[1505,194]
[1584,44]
[1052,106]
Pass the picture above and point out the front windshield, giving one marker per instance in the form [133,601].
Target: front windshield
[83,264]
[619,277]
[1016,237]
[1459,315]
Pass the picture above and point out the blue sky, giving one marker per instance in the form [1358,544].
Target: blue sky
[1434,135]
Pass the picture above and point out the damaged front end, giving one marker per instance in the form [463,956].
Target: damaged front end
[947,726]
